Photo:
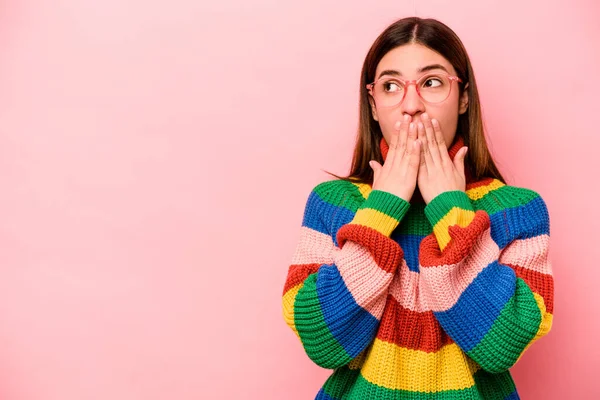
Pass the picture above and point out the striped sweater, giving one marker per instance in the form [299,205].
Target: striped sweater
[405,300]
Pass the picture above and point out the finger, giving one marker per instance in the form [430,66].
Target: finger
[441,142]
[414,160]
[402,136]
[459,161]
[413,134]
[392,148]
[376,167]
[432,148]
[394,141]
[410,138]
[425,156]
[404,127]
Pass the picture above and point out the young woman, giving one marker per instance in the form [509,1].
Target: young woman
[425,276]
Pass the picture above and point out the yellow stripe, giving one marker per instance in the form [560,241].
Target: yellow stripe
[288,306]
[546,317]
[397,368]
[375,219]
[456,216]
[363,188]
[479,192]
[357,362]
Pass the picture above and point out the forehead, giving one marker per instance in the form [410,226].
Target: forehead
[409,58]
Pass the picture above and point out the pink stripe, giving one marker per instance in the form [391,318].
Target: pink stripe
[442,285]
[367,283]
[313,247]
[531,253]
[405,289]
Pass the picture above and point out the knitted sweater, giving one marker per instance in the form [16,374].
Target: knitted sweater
[405,300]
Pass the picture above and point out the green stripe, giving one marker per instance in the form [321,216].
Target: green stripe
[415,222]
[387,203]
[494,386]
[340,193]
[364,389]
[511,332]
[347,384]
[444,202]
[504,197]
[344,194]
[341,382]
[319,343]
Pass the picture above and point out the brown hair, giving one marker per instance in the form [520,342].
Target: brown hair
[440,38]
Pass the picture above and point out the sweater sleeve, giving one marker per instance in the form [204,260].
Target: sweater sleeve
[334,296]
[488,279]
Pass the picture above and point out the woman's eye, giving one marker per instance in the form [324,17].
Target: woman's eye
[432,82]
[391,87]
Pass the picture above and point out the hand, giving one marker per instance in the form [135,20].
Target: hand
[437,172]
[398,175]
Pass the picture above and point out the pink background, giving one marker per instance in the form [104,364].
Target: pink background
[155,158]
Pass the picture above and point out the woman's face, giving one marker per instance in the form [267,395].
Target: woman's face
[407,60]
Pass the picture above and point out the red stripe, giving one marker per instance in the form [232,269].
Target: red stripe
[539,283]
[461,242]
[297,273]
[385,251]
[480,183]
[411,329]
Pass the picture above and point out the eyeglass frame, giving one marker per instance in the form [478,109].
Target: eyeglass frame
[407,83]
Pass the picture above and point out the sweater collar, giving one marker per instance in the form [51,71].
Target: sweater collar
[456,145]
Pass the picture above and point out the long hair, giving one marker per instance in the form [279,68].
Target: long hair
[440,38]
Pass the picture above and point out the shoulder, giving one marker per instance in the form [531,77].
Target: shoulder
[340,193]
[491,192]
[521,212]
[332,201]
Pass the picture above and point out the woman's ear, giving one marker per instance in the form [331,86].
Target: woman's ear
[373,109]
[464,100]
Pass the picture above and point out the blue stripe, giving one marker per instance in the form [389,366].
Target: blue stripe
[312,214]
[350,324]
[325,217]
[410,246]
[337,217]
[513,396]
[479,305]
[522,222]
[323,396]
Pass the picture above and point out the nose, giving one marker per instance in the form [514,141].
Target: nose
[412,103]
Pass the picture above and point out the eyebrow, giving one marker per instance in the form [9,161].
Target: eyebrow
[394,72]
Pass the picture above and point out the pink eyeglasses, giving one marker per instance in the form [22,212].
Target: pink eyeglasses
[432,88]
